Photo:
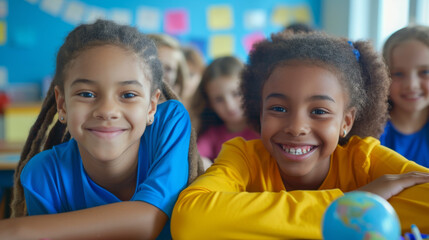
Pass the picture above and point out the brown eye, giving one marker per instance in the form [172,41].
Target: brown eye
[86,94]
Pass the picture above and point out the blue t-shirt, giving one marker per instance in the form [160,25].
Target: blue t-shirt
[55,180]
[413,146]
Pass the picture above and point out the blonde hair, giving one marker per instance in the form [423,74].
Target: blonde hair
[164,40]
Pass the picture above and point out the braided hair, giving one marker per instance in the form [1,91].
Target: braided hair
[42,136]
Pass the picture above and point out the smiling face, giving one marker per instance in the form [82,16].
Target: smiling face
[169,58]
[409,69]
[303,116]
[106,103]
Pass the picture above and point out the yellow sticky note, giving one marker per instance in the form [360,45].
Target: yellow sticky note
[18,121]
[302,14]
[221,45]
[281,16]
[3,32]
[220,18]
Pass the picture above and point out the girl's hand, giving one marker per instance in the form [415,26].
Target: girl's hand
[392,184]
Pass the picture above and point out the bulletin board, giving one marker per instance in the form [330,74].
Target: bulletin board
[31,31]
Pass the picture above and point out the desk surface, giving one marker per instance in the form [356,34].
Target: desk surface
[8,161]
[10,147]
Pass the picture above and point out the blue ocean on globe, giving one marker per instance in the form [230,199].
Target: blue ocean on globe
[361,216]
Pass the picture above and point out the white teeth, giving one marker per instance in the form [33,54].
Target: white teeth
[296,151]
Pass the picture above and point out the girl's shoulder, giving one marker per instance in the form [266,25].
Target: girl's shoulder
[170,108]
[59,158]
[358,147]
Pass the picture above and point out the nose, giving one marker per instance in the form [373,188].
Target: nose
[106,109]
[296,125]
[231,103]
[413,81]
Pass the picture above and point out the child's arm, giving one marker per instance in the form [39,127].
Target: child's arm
[124,220]
[403,183]
[390,185]
[219,205]
[230,214]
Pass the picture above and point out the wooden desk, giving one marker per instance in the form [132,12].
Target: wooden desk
[10,147]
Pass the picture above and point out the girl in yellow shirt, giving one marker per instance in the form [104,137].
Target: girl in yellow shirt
[319,102]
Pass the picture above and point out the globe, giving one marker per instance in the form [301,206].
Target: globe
[360,215]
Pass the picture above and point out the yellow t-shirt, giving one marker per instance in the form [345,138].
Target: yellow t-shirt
[242,196]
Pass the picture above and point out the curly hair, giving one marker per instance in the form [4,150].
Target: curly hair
[83,37]
[220,67]
[366,80]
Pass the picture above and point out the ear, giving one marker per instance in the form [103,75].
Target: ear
[152,106]
[347,123]
[61,105]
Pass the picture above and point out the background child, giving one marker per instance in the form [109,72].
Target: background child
[123,158]
[406,52]
[319,102]
[218,106]
[196,66]
[173,61]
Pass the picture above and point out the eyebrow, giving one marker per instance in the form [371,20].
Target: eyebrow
[91,82]
[322,97]
[277,95]
[82,80]
[312,98]
[131,82]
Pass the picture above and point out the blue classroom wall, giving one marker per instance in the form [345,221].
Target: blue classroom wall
[34,34]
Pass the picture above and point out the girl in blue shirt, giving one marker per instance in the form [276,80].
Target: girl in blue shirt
[115,161]
[406,52]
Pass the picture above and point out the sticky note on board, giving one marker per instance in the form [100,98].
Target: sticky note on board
[302,14]
[221,45]
[176,21]
[148,19]
[3,8]
[121,16]
[52,7]
[220,18]
[282,16]
[255,19]
[95,13]
[3,33]
[73,13]
[251,39]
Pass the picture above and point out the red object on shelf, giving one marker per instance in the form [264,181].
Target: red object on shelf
[4,101]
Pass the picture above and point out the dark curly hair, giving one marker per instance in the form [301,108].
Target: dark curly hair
[366,80]
[83,37]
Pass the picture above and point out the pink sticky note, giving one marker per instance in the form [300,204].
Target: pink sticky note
[176,22]
[251,39]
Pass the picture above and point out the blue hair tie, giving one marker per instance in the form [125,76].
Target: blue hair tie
[355,51]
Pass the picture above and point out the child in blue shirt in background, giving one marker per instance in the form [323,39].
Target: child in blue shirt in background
[406,52]
[115,161]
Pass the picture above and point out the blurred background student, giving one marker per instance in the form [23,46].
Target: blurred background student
[196,65]
[406,53]
[218,104]
[173,61]
[299,27]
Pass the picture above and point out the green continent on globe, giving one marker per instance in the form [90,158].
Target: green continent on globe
[349,209]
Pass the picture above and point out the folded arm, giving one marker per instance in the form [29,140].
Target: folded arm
[124,220]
